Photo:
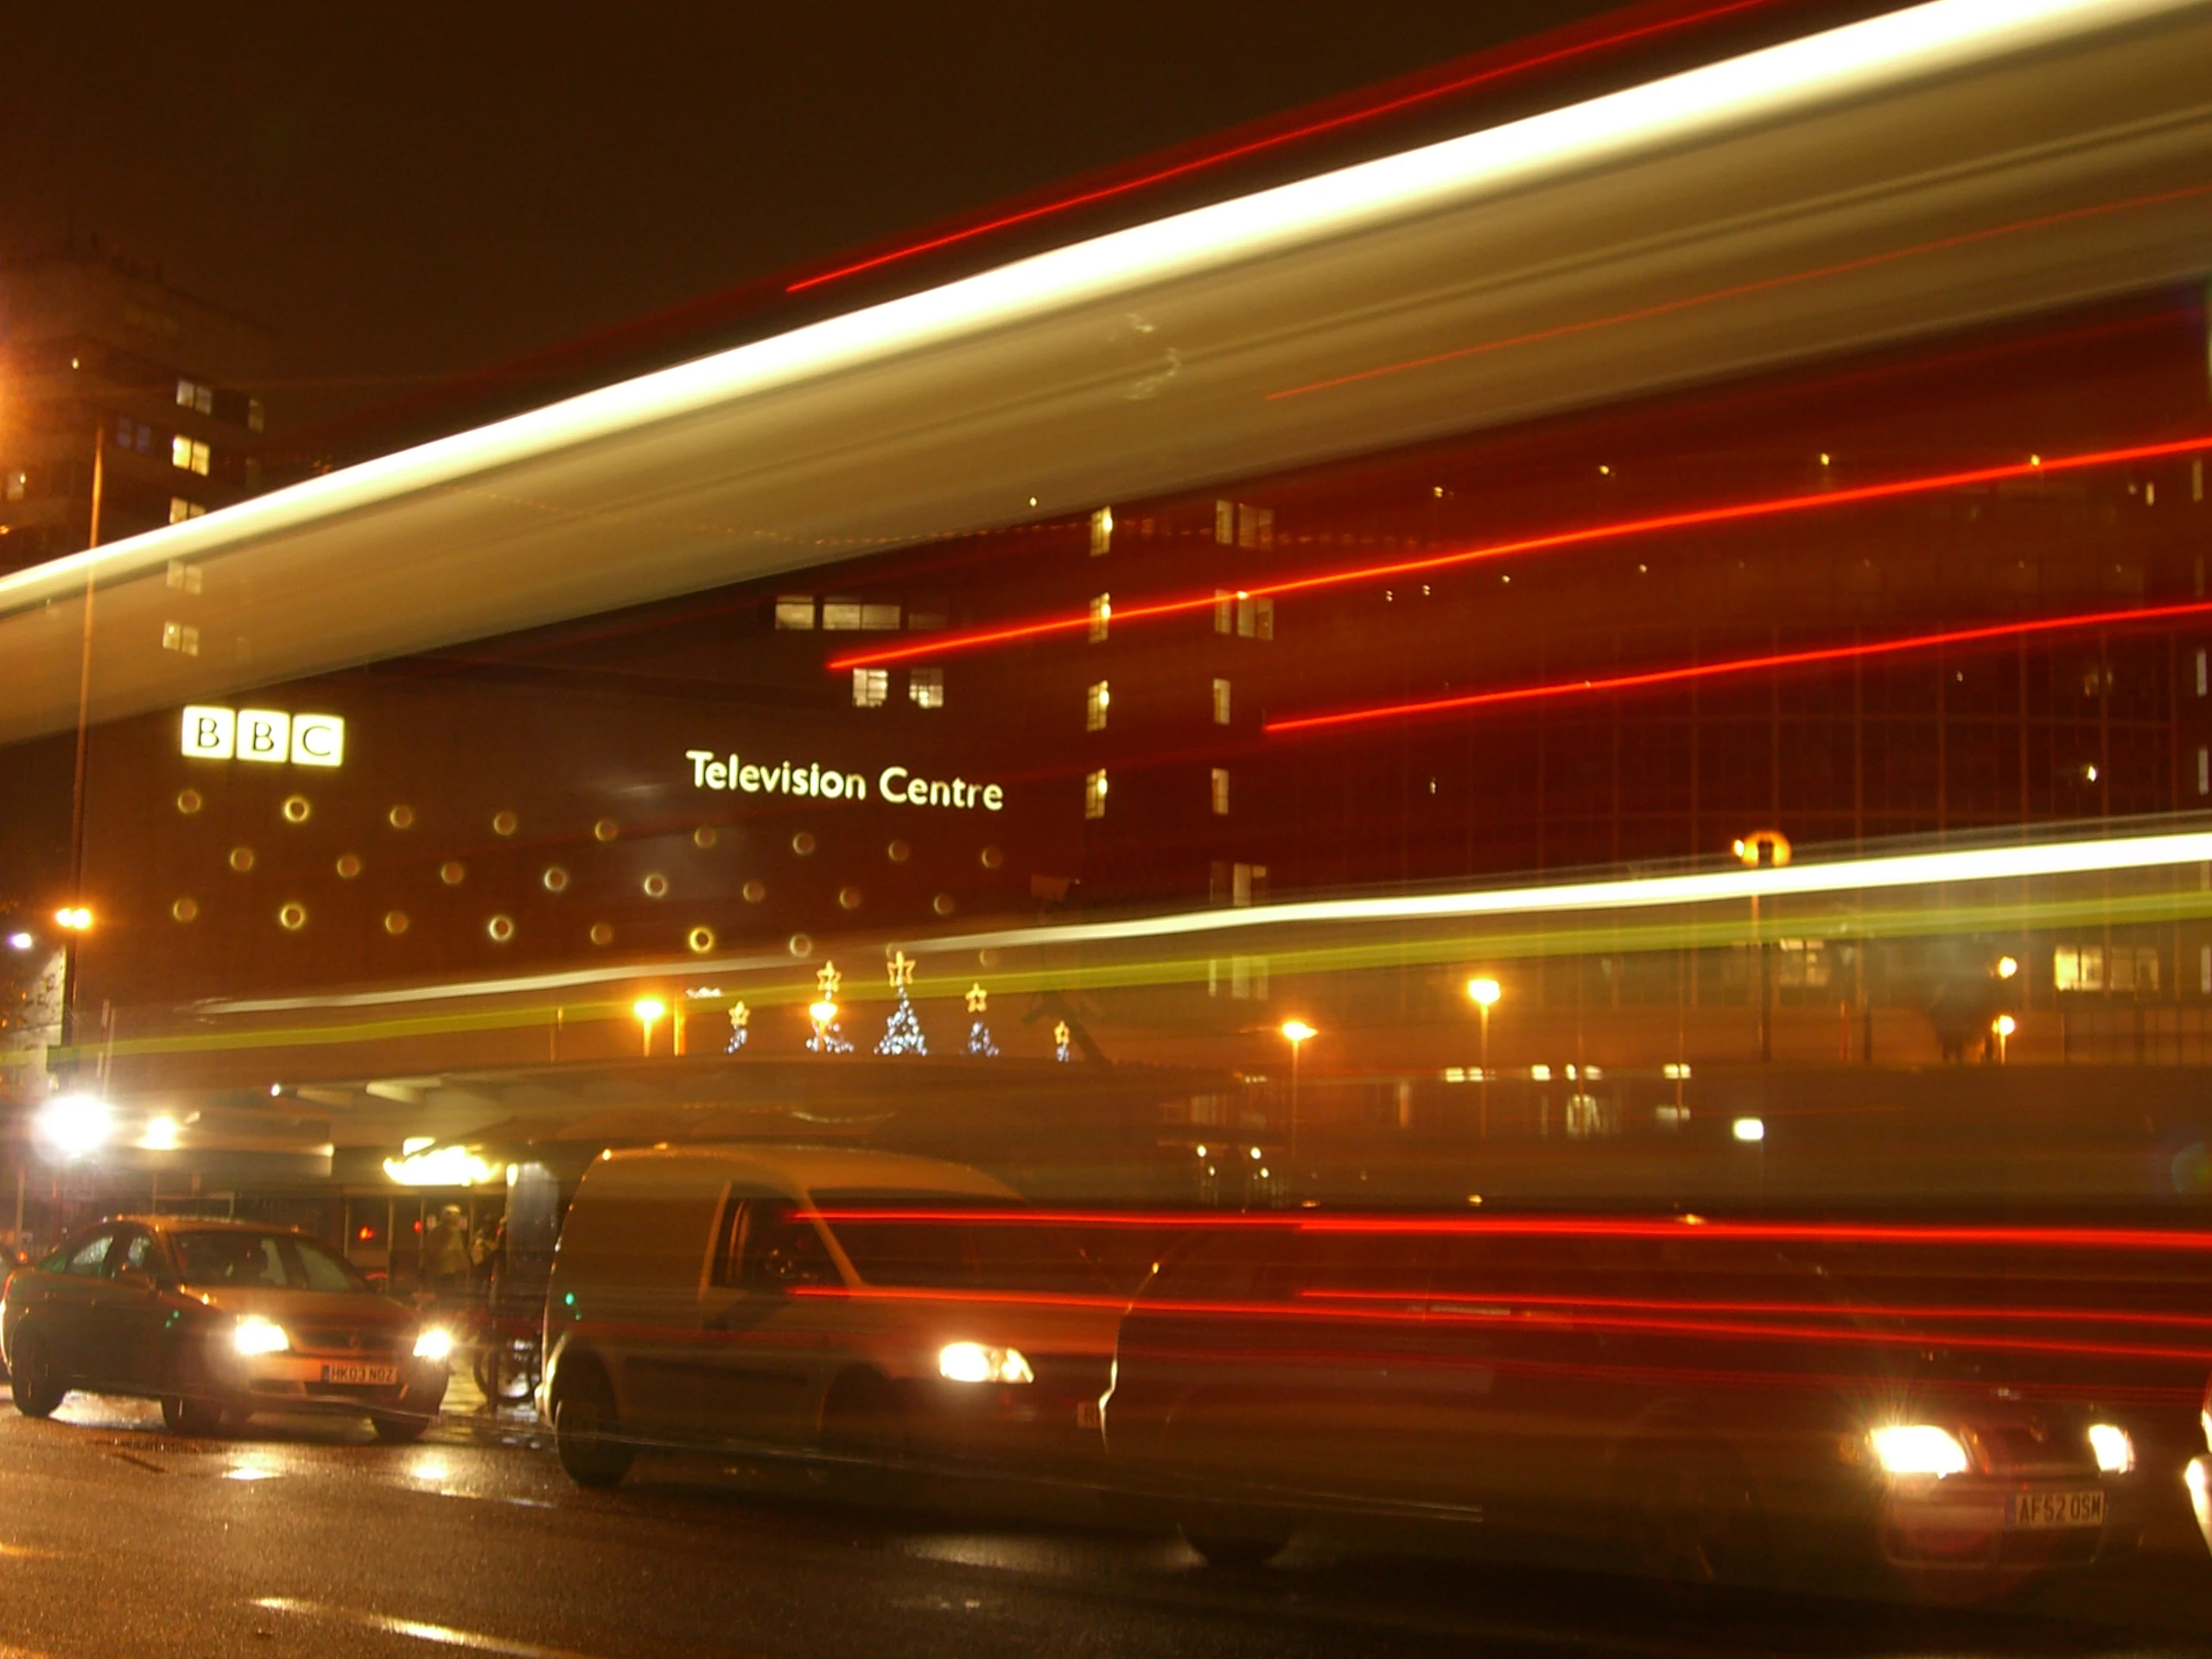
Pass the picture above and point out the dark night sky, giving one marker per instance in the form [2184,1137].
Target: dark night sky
[406,191]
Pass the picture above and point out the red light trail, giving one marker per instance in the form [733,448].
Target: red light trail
[1784,660]
[1966,238]
[1259,146]
[1556,541]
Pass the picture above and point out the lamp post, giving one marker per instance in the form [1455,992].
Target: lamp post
[2002,1028]
[1296,1031]
[648,1010]
[1762,849]
[1485,992]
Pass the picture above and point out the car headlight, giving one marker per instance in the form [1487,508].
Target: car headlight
[1918,1449]
[255,1335]
[971,1362]
[2115,1451]
[435,1342]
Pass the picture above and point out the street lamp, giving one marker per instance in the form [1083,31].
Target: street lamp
[1762,849]
[1296,1031]
[2002,1028]
[1485,991]
[648,1009]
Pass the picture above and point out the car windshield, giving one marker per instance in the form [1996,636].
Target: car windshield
[926,1241]
[262,1261]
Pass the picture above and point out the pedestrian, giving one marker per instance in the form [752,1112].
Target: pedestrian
[446,1260]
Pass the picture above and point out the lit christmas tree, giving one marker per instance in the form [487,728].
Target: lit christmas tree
[979,1033]
[828,1039]
[902,1034]
[1060,1042]
[741,1018]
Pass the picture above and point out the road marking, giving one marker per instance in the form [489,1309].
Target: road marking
[442,1635]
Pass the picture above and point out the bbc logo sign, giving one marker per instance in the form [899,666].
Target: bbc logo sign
[263,734]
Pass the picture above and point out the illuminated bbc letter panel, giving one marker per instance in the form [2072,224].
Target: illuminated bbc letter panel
[266,735]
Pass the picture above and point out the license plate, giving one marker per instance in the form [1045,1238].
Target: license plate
[2046,1511]
[360,1374]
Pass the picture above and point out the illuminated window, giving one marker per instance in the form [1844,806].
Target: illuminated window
[256,416]
[1094,707]
[841,614]
[2204,771]
[795,610]
[1220,792]
[1247,977]
[871,686]
[1224,610]
[1221,702]
[1237,884]
[181,510]
[1224,523]
[1102,611]
[19,481]
[190,454]
[926,687]
[1239,524]
[1094,794]
[2203,682]
[879,617]
[190,394]
[2130,968]
[1102,532]
[180,636]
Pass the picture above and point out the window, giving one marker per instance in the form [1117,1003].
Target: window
[139,1253]
[138,437]
[1224,523]
[190,394]
[89,1259]
[2204,771]
[190,454]
[926,615]
[1221,702]
[1102,532]
[879,617]
[2203,680]
[1102,612]
[2130,968]
[871,686]
[181,510]
[1237,884]
[926,687]
[1094,707]
[1094,794]
[841,614]
[180,636]
[1247,977]
[781,1250]
[1239,524]
[256,416]
[795,610]
[1241,614]
[1220,792]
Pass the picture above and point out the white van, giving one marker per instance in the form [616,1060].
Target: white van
[864,1306]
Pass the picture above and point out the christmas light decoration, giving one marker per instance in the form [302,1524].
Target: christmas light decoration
[979,1033]
[1060,1042]
[828,1038]
[741,1018]
[902,1034]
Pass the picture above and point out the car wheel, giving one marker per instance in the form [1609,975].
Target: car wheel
[1688,1518]
[32,1378]
[1230,1535]
[192,1414]
[398,1429]
[584,1426]
[864,1436]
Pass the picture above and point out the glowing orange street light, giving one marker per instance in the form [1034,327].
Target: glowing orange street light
[1297,1032]
[75,918]
[1485,991]
[2007,966]
[648,1009]
[2003,1026]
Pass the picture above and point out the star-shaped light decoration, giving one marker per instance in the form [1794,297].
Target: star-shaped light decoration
[900,967]
[740,1018]
[979,1000]
[1060,1032]
[827,979]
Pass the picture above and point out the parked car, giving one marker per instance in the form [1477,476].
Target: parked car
[1690,1410]
[863,1309]
[217,1320]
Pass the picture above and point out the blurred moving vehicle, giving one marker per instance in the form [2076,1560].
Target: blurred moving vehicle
[1688,1411]
[217,1320]
[864,1308]
[2198,1476]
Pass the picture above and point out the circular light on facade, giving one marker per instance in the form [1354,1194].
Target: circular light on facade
[993,858]
[188,801]
[293,917]
[799,945]
[601,933]
[704,836]
[501,928]
[656,886]
[848,898]
[755,892]
[241,859]
[701,940]
[453,872]
[186,910]
[395,922]
[605,830]
[803,843]
[296,808]
[899,852]
[504,823]
[349,865]
[401,817]
[942,904]
[555,879]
